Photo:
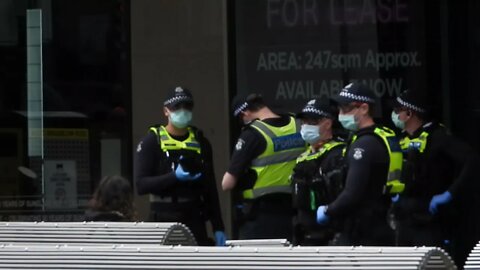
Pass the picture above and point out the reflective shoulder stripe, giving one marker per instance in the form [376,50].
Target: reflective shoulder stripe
[259,125]
[154,130]
[277,158]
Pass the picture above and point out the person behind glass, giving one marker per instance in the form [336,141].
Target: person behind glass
[317,177]
[260,168]
[373,163]
[438,175]
[112,201]
[173,164]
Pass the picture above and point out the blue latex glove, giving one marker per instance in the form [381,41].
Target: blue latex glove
[182,175]
[396,198]
[220,238]
[322,218]
[439,199]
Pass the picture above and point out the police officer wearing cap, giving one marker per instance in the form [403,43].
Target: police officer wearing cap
[438,172]
[373,162]
[317,177]
[260,168]
[173,164]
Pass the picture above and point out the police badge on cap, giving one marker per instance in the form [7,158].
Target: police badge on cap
[316,109]
[177,96]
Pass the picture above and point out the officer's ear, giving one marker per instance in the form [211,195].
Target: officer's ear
[409,113]
[364,108]
[327,123]
[166,112]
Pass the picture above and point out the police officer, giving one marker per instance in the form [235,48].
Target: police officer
[260,168]
[173,163]
[437,174]
[373,167]
[317,177]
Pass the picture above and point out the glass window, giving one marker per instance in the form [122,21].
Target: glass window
[292,51]
[64,104]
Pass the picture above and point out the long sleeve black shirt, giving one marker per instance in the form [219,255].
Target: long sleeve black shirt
[367,162]
[151,179]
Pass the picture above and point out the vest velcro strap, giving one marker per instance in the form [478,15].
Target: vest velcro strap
[258,192]
[277,158]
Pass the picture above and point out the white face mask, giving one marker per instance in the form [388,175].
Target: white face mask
[180,118]
[348,121]
[396,121]
[310,133]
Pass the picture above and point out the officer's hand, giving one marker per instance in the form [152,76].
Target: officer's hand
[439,199]
[220,238]
[182,175]
[322,218]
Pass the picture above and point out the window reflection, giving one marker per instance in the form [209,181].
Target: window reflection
[86,102]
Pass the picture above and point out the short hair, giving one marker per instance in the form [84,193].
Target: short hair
[255,102]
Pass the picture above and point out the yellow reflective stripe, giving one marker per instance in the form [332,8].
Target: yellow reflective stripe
[258,192]
[261,126]
[168,143]
[395,186]
[277,158]
[419,143]
[396,161]
[154,130]
[273,168]
[308,155]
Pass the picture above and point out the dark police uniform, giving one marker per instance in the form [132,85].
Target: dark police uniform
[373,166]
[364,201]
[436,162]
[189,202]
[263,180]
[317,180]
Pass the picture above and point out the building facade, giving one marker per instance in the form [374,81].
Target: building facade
[81,81]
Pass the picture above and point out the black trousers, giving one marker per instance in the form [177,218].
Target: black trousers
[271,218]
[188,214]
[365,230]
[411,233]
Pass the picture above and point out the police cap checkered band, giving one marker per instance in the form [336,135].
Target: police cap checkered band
[242,107]
[355,97]
[355,92]
[178,95]
[178,99]
[312,110]
[410,105]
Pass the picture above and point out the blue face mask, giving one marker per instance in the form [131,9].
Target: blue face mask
[348,121]
[396,121]
[180,118]
[310,133]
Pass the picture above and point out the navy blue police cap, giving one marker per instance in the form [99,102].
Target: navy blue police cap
[177,96]
[355,92]
[412,100]
[316,109]
[242,102]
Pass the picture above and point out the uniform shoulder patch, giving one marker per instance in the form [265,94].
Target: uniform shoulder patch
[239,145]
[358,153]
